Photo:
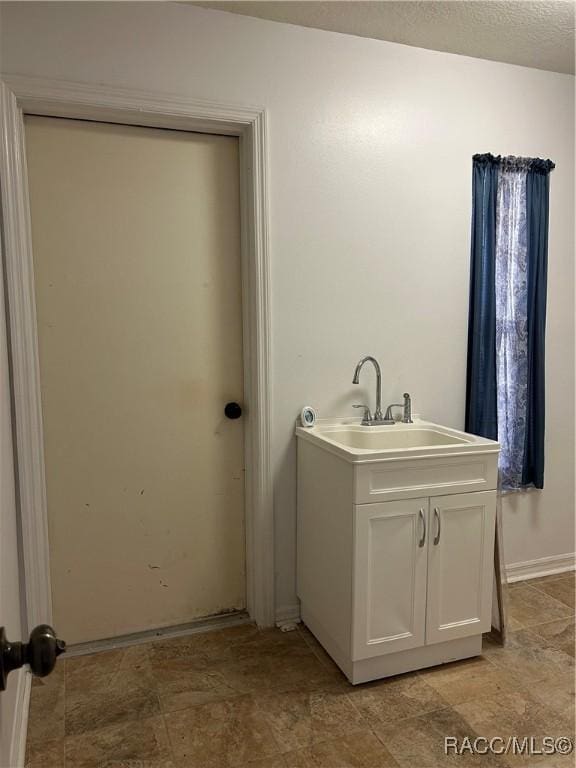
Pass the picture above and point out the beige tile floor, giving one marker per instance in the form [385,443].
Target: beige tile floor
[242,697]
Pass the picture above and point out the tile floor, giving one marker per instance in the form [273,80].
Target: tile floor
[240,697]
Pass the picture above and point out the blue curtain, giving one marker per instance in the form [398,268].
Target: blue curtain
[537,196]
[507,316]
[481,417]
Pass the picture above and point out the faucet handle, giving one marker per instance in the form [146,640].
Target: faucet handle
[367,414]
[388,417]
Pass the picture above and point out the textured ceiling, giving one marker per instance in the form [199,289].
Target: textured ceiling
[536,34]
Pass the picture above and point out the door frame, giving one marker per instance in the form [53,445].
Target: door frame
[21,95]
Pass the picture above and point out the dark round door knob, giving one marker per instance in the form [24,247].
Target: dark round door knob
[43,650]
[40,652]
[233,411]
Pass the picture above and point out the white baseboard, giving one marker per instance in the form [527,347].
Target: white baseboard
[287,614]
[20,729]
[544,566]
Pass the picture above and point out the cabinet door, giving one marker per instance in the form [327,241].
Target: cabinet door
[460,563]
[389,577]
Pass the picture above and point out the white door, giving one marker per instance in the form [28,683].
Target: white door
[390,577]
[460,553]
[136,238]
[9,575]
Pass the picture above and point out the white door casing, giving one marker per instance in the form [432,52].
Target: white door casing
[460,552]
[14,700]
[390,577]
[20,95]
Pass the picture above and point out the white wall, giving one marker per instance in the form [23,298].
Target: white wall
[370,189]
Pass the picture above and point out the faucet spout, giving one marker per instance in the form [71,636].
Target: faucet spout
[356,380]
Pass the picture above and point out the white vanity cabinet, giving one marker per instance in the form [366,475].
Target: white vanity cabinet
[460,565]
[422,571]
[403,581]
[389,577]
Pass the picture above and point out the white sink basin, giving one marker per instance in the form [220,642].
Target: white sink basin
[422,438]
[357,438]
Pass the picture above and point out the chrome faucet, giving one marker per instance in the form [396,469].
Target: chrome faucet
[407,410]
[377,419]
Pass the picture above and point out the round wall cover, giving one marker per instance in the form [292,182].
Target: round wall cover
[308,416]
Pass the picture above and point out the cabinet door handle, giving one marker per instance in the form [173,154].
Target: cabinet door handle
[438,525]
[423,519]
